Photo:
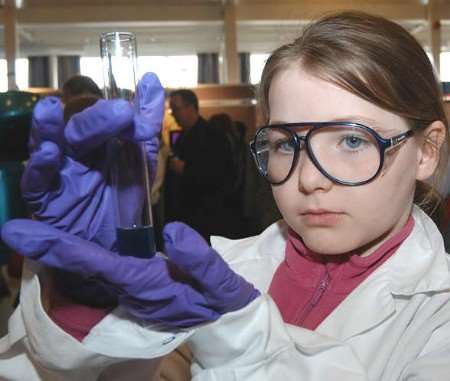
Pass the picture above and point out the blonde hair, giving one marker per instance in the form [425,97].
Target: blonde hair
[375,59]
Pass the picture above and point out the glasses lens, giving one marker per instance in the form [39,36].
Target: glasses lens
[274,153]
[347,153]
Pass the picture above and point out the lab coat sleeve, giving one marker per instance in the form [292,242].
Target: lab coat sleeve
[255,344]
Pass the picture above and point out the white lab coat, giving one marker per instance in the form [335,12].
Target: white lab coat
[394,326]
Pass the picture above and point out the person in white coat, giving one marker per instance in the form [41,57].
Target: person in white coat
[353,284]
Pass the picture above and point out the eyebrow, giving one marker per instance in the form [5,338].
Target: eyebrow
[369,122]
[357,119]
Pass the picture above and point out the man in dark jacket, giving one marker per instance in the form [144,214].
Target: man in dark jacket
[195,189]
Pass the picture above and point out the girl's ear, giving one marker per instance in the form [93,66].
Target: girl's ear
[429,149]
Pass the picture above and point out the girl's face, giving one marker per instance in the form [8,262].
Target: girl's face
[332,218]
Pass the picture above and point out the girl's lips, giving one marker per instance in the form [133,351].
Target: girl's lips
[321,217]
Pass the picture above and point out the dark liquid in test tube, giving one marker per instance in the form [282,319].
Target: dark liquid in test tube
[136,241]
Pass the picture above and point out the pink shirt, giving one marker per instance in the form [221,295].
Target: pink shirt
[307,287]
[75,319]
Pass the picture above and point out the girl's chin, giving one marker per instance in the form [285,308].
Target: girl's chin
[328,247]
[339,246]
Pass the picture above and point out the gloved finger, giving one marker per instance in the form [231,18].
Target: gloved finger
[95,125]
[184,308]
[47,122]
[41,171]
[188,250]
[56,248]
[149,109]
[225,290]
[142,278]
[151,148]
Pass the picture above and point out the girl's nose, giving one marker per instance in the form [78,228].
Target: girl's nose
[310,179]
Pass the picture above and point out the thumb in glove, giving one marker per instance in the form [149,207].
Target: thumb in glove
[225,290]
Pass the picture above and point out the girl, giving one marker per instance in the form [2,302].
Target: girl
[355,280]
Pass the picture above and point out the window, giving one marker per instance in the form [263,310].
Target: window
[445,67]
[92,67]
[257,62]
[173,71]
[3,76]
[21,74]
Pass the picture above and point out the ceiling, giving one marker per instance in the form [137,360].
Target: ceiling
[165,27]
[37,3]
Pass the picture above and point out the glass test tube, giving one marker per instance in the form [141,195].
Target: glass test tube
[129,170]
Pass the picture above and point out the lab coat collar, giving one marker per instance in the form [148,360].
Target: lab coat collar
[421,263]
[255,258]
[418,266]
[268,244]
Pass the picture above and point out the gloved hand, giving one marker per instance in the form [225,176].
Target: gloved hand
[146,288]
[58,184]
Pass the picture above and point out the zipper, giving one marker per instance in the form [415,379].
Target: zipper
[312,302]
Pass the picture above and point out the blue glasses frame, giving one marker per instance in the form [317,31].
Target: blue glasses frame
[383,144]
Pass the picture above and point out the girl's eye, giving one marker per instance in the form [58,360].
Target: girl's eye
[284,146]
[353,142]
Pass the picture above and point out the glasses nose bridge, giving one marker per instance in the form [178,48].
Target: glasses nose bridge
[302,145]
[301,141]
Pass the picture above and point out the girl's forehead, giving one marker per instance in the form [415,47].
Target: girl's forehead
[295,84]
[298,96]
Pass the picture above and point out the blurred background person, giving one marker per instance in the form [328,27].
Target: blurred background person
[79,85]
[184,163]
[202,179]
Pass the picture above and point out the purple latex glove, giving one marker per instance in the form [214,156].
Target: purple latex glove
[60,187]
[146,288]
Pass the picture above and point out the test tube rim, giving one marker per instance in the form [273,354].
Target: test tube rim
[126,36]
